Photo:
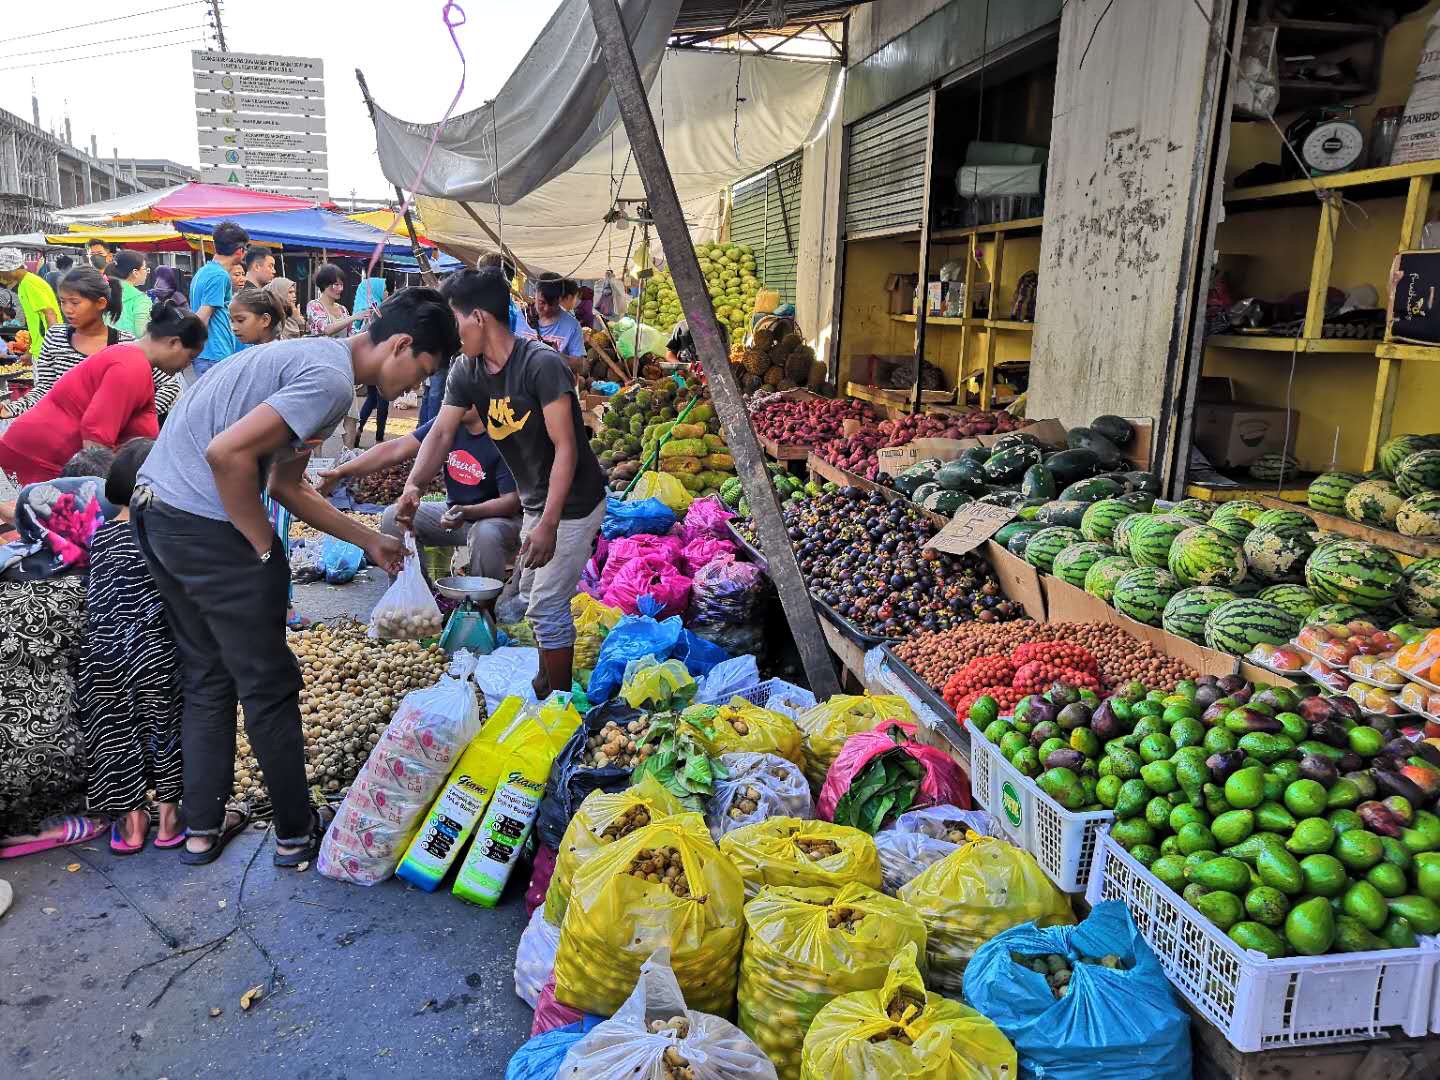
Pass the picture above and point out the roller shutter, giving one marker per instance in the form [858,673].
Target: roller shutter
[765,214]
[885,176]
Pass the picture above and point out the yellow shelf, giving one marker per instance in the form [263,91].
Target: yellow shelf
[1016,325]
[1396,350]
[1206,493]
[1018,225]
[1359,178]
[939,320]
[1268,343]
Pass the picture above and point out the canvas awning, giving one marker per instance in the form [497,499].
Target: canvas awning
[315,230]
[183,201]
[141,236]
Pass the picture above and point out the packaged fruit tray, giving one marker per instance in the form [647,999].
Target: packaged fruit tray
[1062,841]
[1259,1004]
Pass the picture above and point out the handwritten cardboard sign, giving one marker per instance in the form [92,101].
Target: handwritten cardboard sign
[894,460]
[973,524]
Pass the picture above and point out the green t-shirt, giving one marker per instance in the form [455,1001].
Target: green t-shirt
[35,296]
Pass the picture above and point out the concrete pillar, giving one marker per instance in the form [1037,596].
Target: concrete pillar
[88,181]
[55,178]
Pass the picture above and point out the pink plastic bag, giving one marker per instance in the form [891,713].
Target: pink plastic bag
[707,517]
[944,781]
[667,588]
[657,550]
[541,871]
[550,1014]
[702,551]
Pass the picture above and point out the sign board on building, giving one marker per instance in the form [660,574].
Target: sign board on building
[260,140]
[272,159]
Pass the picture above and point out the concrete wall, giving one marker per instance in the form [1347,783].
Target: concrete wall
[877,24]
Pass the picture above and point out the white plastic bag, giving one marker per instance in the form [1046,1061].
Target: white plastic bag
[918,838]
[626,1047]
[535,957]
[781,786]
[726,679]
[507,672]
[407,611]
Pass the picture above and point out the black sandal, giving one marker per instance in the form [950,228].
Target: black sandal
[210,854]
[324,815]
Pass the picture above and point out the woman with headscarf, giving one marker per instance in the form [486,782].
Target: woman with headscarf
[294,324]
[368,296]
[165,285]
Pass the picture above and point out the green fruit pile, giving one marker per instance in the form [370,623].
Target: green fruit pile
[1058,968]
[730,278]
[636,419]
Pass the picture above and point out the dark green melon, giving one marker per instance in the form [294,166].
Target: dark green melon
[1274,468]
[1067,512]
[1353,572]
[1151,536]
[1419,472]
[1237,626]
[1328,490]
[1293,518]
[1277,553]
[1204,556]
[1374,502]
[1067,466]
[1093,490]
[1008,466]
[1396,450]
[1142,594]
[1187,610]
[1046,544]
[1038,483]
[1115,428]
[1075,561]
[945,502]
[1420,591]
[1014,528]
[1100,518]
[1100,579]
[1419,516]
[1296,599]
[1019,540]
[1335,613]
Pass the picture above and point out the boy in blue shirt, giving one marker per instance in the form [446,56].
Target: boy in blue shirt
[211,292]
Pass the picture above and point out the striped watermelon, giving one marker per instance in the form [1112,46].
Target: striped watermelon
[1236,517]
[1294,518]
[1120,538]
[1098,524]
[1420,591]
[1204,556]
[1152,535]
[1198,509]
[1328,490]
[1249,585]
[1335,613]
[1296,599]
[1072,564]
[1274,468]
[1237,626]
[1142,594]
[1101,578]
[1419,515]
[1353,572]
[1419,472]
[1374,502]
[1396,450]
[1188,609]
[1047,543]
[1278,552]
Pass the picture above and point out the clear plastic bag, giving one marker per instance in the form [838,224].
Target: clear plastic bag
[407,611]
[727,679]
[779,785]
[920,838]
[535,957]
[789,851]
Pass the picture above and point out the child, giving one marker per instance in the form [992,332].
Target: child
[128,697]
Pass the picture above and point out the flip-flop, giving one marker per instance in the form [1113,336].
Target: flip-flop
[210,854]
[168,845]
[76,829]
[7,896]
[118,846]
[311,851]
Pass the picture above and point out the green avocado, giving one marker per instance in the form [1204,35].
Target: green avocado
[1324,875]
[1194,837]
[1280,870]
[1233,826]
[1351,936]
[1250,849]
[1272,817]
[1305,798]
[1107,788]
[1157,813]
[1188,731]
[1266,905]
[1132,799]
[1310,927]
[1358,850]
[1184,814]
[1124,762]
[1159,776]
[1252,935]
[1344,820]
[1219,740]
[1225,873]
[1245,788]
[1266,747]
[1427,874]
[1224,909]
[1363,902]
[1062,785]
[1132,832]
[1170,869]
[1343,794]
[1398,933]
[1157,747]
[1388,879]
[1312,836]
[1423,913]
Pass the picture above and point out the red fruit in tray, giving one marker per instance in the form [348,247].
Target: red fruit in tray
[1337,653]
[1287,659]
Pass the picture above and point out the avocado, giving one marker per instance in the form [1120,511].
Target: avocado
[1363,903]
[1423,913]
[1388,879]
[1233,826]
[1229,874]
[1358,850]
[1266,747]
[1062,785]
[1159,776]
[1252,935]
[1311,837]
[1351,937]
[1132,799]
[1310,927]
[1272,817]
[1245,788]
[1398,933]
[1267,905]
[1194,837]
[1132,832]
[1224,909]
[1280,870]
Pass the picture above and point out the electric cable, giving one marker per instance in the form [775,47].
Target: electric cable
[104,41]
[102,56]
[102,22]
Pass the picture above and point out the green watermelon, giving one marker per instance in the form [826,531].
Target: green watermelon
[1335,613]
[1419,515]
[945,502]
[1007,466]
[1236,517]
[1067,512]
[1296,599]
[1293,518]
[1277,553]
[1328,490]
[1020,540]
[1072,564]
[1100,518]
[1100,579]
[1274,468]
[1092,490]
[1249,585]
[1142,594]
[1198,509]
[1374,502]
[1120,537]
[1419,472]
[1204,556]
[1152,535]
[1188,609]
[923,492]
[1353,572]
[1237,626]
[1420,591]
[1014,528]
[1142,502]
[1046,544]
[1396,450]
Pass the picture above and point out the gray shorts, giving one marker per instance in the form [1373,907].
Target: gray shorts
[547,591]
[493,541]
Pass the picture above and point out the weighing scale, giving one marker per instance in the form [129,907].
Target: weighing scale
[1326,139]
[472,624]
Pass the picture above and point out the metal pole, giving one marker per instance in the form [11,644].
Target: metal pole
[629,91]
[219,26]
[922,303]
[427,273]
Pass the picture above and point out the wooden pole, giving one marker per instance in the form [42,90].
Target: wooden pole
[629,91]
[922,303]
[498,242]
[427,272]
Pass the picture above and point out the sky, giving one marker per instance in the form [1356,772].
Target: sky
[142,102]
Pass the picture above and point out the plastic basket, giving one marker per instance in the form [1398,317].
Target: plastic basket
[780,696]
[1258,1004]
[1062,841]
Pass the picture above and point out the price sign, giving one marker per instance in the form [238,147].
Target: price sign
[972,525]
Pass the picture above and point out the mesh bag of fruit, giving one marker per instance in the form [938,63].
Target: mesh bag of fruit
[742,726]
[882,773]
[826,727]
[970,896]
[663,886]
[900,1030]
[603,818]
[922,837]
[789,851]
[806,947]
[654,1036]
[759,786]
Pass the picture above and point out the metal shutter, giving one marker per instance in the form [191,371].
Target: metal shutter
[885,179]
[765,214]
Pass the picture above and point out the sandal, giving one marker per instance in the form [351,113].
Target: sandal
[311,851]
[172,842]
[118,846]
[73,829]
[210,854]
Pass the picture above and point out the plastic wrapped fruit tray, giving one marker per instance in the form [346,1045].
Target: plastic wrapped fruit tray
[1257,1003]
[1062,841]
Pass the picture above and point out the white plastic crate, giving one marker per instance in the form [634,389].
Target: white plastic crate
[780,696]
[1062,841]
[1259,1004]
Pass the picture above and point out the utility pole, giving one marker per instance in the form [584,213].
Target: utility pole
[219,25]
[624,75]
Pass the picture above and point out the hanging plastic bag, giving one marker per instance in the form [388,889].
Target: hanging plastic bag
[572,778]
[657,685]
[880,774]
[1120,1023]
[903,1031]
[663,487]
[727,679]
[615,919]
[759,786]
[708,517]
[628,517]
[922,837]
[341,560]
[806,947]
[540,1058]
[970,896]
[407,611]
[654,1036]
[740,726]
[790,851]
[827,726]
[535,957]
[593,623]
[631,638]
[644,579]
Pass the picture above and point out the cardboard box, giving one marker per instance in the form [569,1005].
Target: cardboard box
[1414,302]
[901,288]
[1232,435]
[896,459]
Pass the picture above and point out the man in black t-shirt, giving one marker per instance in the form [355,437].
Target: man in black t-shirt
[526,394]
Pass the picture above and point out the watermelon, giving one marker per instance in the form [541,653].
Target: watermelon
[1142,594]
[923,492]
[1236,518]
[1007,466]
[1419,515]
[1419,472]
[945,502]
[1296,599]
[1142,502]
[1294,518]
[1072,564]
[1396,450]
[1328,490]
[1277,553]
[1100,579]
[1046,544]
[1185,614]
[1014,528]
[1115,428]
[1204,556]
[1092,490]
[1249,585]
[1100,518]
[1237,626]
[1335,613]
[1020,540]
[1420,591]
[1067,512]
[1120,537]
[1274,468]
[1198,509]
[1038,483]
[1374,502]
[1353,572]
[1151,537]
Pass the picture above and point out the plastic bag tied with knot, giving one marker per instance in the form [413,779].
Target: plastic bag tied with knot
[707,517]
[725,590]
[919,838]
[626,518]
[759,786]
[535,957]
[647,586]
[789,851]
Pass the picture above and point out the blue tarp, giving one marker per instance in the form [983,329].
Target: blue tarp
[313,229]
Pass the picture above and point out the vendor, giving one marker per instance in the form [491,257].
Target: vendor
[481,508]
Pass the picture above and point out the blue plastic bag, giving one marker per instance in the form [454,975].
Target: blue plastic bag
[699,655]
[1112,1025]
[632,637]
[341,560]
[632,518]
[540,1058]
[599,386]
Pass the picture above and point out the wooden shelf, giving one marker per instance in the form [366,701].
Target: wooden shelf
[940,320]
[1405,545]
[897,399]
[1209,493]
[1015,325]
[1301,93]
[1384,182]
[1268,343]
[1020,225]
[1396,350]
[1318,34]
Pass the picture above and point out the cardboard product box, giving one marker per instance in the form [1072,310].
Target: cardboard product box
[901,289]
[1233,434]
[1414,304]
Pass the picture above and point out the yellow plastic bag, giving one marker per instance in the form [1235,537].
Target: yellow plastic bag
[657,686]
[829,724]
[521,633]
[805,947]
[974,893]
[901,1032]
[662,486]
[586,833]
[740,726]
[593,623]
[774,852]
[615,920]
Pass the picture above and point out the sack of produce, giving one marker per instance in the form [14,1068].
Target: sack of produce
[805,947]
[882,773]
[593,621]
[725,590]
[759,786]
[1083,1002]
[654,1036]
[633,637]
[790,851]
[680,759]
[973,894]
[728,679]
[657,685]
[665,885]
[342,561]
[901,1030]
[740,725]
[550,1014]
[535,957]
[595,759]
[702,551]
[540,1058]
[603,818]
[664,488]
[542,869]
[922,837]
[826,727]
[649,588]
[627,517]
[659,549]
[407,611]
[707,517]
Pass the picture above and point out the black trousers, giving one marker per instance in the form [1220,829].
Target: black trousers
[380,406]
[226,610]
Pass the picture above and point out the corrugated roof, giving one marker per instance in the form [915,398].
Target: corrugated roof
[699,15]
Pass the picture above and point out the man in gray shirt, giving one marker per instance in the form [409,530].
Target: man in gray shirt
[221,570]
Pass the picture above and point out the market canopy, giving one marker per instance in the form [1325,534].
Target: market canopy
[140,236]
[191,200]
[315,229]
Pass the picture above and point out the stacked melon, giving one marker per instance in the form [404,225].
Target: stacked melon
[730,278]
[1402,494]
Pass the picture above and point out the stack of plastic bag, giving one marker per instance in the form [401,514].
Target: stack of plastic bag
[627,517]
[792,852]
[708,517]
[535,957]
[646,587]
[826,727]
[702,551]
[759,786]
[970,896]
[920,838]
[727,679]
[901,1030]
[739,726]
[616,918]
[654,1035]
[805,947]
[593,622]
[657,550]
[725,591]
[941,778]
